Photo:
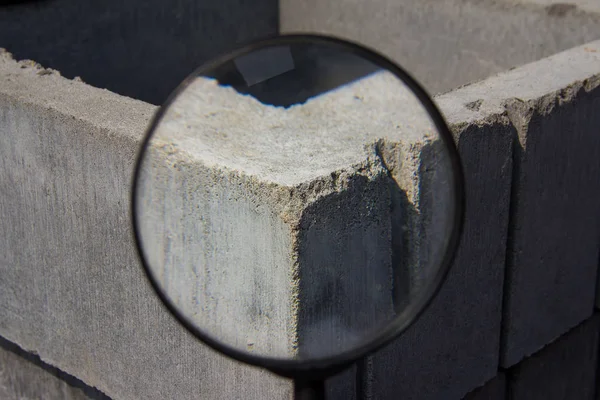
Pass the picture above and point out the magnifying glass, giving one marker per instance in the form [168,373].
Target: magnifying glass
[297,204]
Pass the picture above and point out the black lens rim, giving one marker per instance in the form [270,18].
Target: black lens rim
[323,366]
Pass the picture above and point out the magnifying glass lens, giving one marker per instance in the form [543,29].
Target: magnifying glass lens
[297,200]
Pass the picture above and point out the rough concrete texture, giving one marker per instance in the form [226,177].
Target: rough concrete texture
[445,44]
[492,390]
[72,287]
[20,379]
[454,346]
[563,370]
[296,208]
[343,386]
[138,48]
[551,282]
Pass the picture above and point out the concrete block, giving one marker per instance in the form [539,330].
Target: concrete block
[72,289]
[454,347]
[551,281]
[71,210]
[26,378]
[492,390]
[299,209]
[141,49]
[449,43]
[565,369]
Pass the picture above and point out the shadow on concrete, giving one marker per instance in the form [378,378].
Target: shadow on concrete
[137,48]
[316,70]
[366,252]
[9,3]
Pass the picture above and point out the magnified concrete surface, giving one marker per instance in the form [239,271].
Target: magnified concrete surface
[300,231]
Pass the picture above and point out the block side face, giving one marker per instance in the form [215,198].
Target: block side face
[221,253]
[555,230]
[72,287]
[424,363]
[564,369]
[344,267]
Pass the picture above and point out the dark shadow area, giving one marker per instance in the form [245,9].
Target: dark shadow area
[137,48]
[404,368]
[564,369]
[517,153]
[402,211]
[8,3]
[494,389]
[553,231]
[316,70]
[90,392]
[349,241]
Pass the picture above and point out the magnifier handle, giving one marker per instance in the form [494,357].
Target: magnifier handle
[309,389]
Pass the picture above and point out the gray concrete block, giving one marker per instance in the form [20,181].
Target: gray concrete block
[141,49]
[23,379]
[445,44]
[70,209]
[553,263]
[297,213]
[344,386]
[550,282]
[495,389]
[565,369]
[72,288]
[454,347]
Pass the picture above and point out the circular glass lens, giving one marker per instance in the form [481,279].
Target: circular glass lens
[297,200]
